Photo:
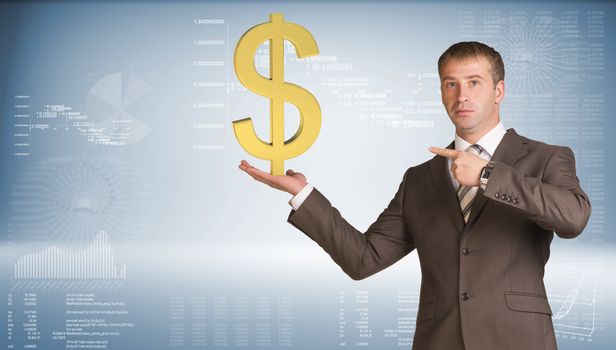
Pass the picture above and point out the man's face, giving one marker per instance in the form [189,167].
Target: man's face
[469,95]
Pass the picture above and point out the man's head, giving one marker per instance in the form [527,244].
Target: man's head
[472,86]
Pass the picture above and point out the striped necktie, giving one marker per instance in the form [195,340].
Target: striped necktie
[466,194]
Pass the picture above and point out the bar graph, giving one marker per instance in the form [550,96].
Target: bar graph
[95,261]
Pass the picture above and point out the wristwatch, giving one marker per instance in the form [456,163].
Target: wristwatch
[485,175]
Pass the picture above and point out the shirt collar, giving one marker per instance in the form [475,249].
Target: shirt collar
[489,141]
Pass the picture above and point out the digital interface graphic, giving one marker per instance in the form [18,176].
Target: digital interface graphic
[127,224]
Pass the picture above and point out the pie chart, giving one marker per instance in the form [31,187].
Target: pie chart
[108,106]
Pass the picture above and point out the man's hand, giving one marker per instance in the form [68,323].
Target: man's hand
[465,166]
[292,182]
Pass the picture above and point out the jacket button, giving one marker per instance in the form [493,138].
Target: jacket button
[503,196]
[497,195]
[466,251]
[508,198]
[515,200]
[464,296]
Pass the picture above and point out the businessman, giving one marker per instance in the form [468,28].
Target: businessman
[481,214]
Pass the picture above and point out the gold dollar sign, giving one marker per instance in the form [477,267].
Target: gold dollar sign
[279,92]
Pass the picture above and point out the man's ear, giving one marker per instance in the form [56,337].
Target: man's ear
[499,91]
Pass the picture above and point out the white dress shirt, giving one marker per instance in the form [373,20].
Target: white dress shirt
[488,142]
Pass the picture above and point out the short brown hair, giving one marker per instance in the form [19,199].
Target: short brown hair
[474,49]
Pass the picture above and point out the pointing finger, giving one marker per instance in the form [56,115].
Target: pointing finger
[449,153]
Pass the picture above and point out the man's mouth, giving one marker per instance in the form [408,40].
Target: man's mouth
[463,111]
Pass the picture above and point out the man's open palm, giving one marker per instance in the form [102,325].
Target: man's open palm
[292,182]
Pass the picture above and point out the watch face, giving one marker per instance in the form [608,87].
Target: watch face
[485,172]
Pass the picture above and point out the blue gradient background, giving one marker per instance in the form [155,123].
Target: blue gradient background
[195,225]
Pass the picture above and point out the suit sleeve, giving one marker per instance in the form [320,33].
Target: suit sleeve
[360,255]
[554,202]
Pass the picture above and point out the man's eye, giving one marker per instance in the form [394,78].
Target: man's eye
[474,82]
[451,84]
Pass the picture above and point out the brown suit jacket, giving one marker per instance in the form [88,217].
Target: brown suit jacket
[482,282]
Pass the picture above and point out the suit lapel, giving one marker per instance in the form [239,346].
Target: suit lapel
[444,188]
[511,148]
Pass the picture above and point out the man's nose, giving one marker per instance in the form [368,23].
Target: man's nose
[462,95]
